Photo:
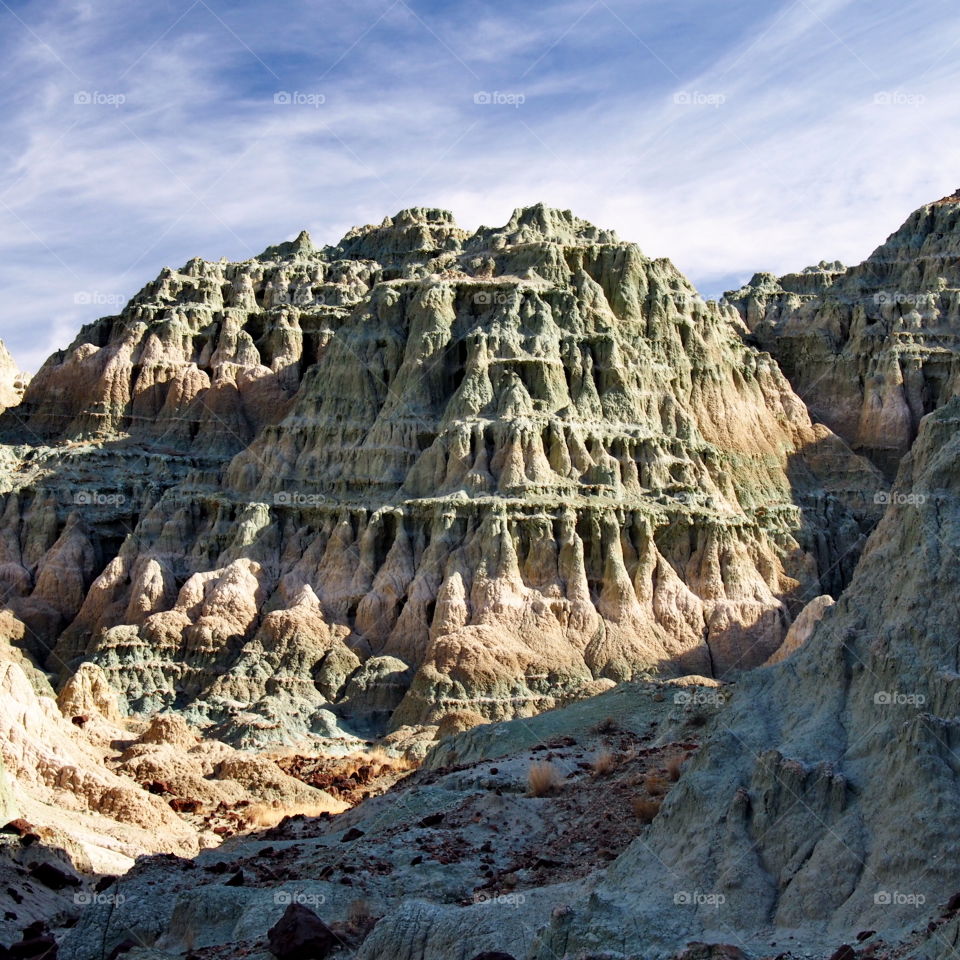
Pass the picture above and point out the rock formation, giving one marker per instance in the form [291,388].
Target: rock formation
[813,813]
[822,802]
[870,349]
[13,381]
[421,472]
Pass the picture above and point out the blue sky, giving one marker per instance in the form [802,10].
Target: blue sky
[729,135]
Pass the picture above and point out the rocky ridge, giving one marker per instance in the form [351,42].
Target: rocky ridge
[871,349]
[341,490]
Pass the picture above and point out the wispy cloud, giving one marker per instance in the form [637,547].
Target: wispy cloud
[763,137]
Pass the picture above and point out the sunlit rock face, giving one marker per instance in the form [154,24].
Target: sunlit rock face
[343,489]
[873,348]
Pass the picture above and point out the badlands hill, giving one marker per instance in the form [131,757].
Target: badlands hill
[346,490]
[423,480]
[871,349]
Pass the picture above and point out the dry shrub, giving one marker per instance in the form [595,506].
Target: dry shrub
[266,815]
[542,779]
[360,914]
[645,810]
[675,767]
[605,762]
[380,756]
[655,785]
[606,725]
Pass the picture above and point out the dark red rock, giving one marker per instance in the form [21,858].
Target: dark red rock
[433,820]
[121,948]
[53,877]
[846,952]
[711,951]
[865,935]
[34,948]
[236,880]
[493,955]
[352,834]
[19,827]
[300,935]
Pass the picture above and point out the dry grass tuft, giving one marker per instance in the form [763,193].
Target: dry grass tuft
[675,767]
[359,913]
[606,762]
[606,725]
[645,810]
[542,779]
[266,815]
[655,785]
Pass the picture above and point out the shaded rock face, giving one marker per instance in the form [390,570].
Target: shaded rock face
[422,471]
[823,800]
[870,349]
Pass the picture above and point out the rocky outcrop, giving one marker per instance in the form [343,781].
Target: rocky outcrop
[873,348]
[821,803]
[13,381]
[342,490]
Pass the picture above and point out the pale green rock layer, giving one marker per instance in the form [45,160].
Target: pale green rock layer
[422,471]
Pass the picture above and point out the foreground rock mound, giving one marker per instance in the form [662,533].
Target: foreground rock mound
[871,349]
[342,490]
[822,802]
